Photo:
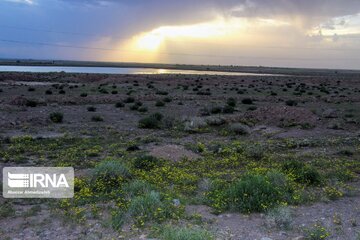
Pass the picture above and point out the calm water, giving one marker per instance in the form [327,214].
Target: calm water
[112,70]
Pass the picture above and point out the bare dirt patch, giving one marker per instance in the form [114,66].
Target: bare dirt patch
[173,152]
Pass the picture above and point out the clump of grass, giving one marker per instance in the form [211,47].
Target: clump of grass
[62,91]
[253,192]
[167,99]
[83,94]
[97,118]
[159,103]
[303,173]
[291,103]
[137,188]
[6,210]
[129,100]
[160,92]
[215,110]
[247,101]
[31,89]
[31,103]
[146,162]
[281,217]
[239,129]
[185,233]
[110,174]
[56,117]
[231,102]
[143,109]
[91,109]
[119,105]
[228,109]
[316,232]
[48,92]
[151,122]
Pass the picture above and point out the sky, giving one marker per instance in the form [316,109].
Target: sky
[282,33]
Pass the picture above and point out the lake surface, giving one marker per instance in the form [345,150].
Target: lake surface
[119,70]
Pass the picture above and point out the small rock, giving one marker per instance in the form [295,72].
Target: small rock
[298,238]
[176,202]
[265,238]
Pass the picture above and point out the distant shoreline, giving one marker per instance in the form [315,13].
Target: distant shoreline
[215,68]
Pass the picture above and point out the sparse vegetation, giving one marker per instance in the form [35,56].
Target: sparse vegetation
[56,117]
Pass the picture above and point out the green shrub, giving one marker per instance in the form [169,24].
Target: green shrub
[317,232]
[302,172]
[291,103]
[215,110]
[109,175]
[257,193]
[146,162]
[185,233]
[143,109]
[31,103]
[145,205]
[129,100]
[149,122]
[56,117]
[281,217]
[247,101]
[91,109]
[119,105]
[167,99]
[228,109]
[239,129]
[159,103]
[134,107]
[137,188]
[6,210]
[97,118]
[231,102]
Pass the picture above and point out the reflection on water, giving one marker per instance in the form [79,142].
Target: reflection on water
[112,70]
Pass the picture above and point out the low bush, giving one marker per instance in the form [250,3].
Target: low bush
[151,122]
[146,162]
[231,102]
[303,173]
[91,109]
[97,118]
[119,105]
[56,117]
[257,193]
[109,174]
[215,110]
[291,103]
[83,95]
[143,109]
[31,103]
[239,129]
[159,103]
[228,109]
[247,101]
[167,99]
[48,92]
[137,188]
[129,100]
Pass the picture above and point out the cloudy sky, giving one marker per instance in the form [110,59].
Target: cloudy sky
[292,33]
